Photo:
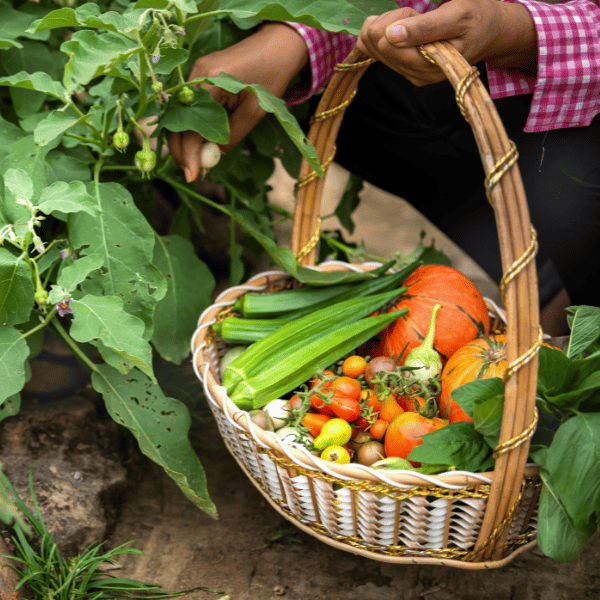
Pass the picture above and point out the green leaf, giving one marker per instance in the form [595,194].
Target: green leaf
[54,125]
[190,284]
[16,289]
[584,322]
[573,462]
[19,183]
[67,166]
[342,15]
[10,407]
[15,24]
[92,54]
[125,241]
[170,58]
[102,318]
[160,425]
[349,202]
[456,445]
[187,6]
[88,15]
[557,535]
[13,354]
[271,104]
[205,116]
[71,275]
[62,198]
[32,57]
[41,82]
[487,413]
[466,395]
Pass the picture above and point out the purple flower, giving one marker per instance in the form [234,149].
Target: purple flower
[64,254]
[346,21]
[64,307]
[156,56]
[181,32]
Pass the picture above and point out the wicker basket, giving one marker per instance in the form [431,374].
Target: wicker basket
[467,520]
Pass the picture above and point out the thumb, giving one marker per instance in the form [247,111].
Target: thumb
[416,29]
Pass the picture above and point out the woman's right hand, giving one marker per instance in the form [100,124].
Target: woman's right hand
[271,57]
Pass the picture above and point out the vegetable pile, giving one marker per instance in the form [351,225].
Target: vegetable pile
[363,372]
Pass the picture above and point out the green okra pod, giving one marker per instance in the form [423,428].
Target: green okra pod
[235,330]
[294,369]
[273,348]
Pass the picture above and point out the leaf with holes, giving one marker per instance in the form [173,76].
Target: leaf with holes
[124,240]
[102,319]
[160,425]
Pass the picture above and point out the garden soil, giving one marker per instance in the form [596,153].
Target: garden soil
[252,553]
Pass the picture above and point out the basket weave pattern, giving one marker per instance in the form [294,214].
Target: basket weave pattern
[469,520]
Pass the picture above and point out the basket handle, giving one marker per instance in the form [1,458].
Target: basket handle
[518,246]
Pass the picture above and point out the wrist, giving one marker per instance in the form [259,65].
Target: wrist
[517,43]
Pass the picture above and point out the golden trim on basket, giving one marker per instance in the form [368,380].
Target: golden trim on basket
[525,358]
[461,89]
[496,533]
[349,66]
[326,114]
[313,175]
[503,165]
[426,55]
[312,242]
[519,439]
[520,263]
[364,485]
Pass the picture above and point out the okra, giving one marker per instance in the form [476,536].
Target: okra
[369,287]
[257,306]
[235,330]
[297,367]
[296,334]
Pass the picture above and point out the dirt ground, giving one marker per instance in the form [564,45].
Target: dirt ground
[252,553]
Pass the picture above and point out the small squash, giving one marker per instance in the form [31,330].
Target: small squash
[463,315]
[481,358]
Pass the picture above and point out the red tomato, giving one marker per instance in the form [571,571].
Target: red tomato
[405,432]
[346,386]
[314,422]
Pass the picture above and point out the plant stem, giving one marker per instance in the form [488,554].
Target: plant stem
[42,324]
[71,343]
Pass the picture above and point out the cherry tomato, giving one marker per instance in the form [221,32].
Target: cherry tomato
[405,432]
[370,409]
[346,386]
[314,422]
[378,429]
[326,376]
[354,366]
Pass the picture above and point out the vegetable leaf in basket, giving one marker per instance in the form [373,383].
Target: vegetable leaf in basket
[458,445]
[584,322]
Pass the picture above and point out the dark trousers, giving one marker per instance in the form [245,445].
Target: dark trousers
[413,142]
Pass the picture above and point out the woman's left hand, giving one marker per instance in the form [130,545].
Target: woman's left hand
[501,33]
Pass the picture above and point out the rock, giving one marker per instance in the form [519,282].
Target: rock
[79,476]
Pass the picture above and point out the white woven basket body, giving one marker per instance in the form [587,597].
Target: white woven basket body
[399,517]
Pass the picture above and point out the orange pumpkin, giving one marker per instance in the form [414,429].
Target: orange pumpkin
[463,315]
[481,358]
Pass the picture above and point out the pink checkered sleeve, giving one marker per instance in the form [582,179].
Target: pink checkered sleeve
[326,49]
[566,92]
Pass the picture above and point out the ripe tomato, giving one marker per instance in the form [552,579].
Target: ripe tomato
[346,386]
[378,429]
[327,375]
[314,422]
[405,432]
[354,366]
[338,405]
[370,409]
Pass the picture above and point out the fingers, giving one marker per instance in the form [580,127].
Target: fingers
[191,143]
[174,142]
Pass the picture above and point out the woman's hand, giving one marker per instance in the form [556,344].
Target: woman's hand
[271,57]
[500,33]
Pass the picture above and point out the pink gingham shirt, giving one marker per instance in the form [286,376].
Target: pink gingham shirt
[566,90]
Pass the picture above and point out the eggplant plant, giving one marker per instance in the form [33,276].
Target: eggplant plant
[81,251]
